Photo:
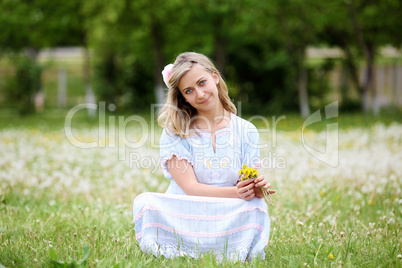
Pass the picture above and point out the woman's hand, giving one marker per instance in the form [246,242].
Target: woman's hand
[261,182]
[246,190]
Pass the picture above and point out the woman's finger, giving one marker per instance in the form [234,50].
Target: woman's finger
[262,183]
[266,186]
[250,197]
[248,194]
[260,178]
[246,188]
[244,183]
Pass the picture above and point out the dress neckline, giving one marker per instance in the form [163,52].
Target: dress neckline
[219,132]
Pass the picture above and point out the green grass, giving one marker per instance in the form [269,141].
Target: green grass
[55,118]
[315,221]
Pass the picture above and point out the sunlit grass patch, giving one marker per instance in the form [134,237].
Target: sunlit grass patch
[56,196]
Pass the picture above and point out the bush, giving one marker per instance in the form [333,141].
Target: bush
[22,87]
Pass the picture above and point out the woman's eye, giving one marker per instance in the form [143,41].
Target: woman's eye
[202,82]
[188,91]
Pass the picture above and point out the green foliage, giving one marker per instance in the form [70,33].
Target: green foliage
[27,27]
[318,84]
[259,46]
[123,81]
[73,263]
[38,24]
[21,88]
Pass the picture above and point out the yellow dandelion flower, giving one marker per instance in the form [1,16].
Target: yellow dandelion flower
[247,173]
[370,202]
[322,193]
[240,172]
[255,173]
[244,167]
[331,256]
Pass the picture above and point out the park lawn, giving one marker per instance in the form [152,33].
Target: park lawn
[58,201]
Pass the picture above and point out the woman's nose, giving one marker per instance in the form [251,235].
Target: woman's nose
[200,92]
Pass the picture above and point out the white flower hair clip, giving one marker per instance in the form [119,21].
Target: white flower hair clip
[167,71]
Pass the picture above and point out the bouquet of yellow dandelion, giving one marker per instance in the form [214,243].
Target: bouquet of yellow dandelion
[252,173]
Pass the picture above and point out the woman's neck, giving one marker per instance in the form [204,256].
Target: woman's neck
[213,120]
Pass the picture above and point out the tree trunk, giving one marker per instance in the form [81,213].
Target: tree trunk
[86,71]
[368,49]
[219,49]
[302,88]
[159,62]
[365,101]
[62,88]
[344,84]
[353,68]
[28,80]
[371,79]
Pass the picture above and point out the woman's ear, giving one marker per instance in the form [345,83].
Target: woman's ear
[215,77]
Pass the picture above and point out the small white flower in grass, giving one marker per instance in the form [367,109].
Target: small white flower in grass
[320,240]
[342,234]
[391,221]
[300,223]
[399,256]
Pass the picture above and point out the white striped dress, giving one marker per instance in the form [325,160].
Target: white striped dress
[174,224]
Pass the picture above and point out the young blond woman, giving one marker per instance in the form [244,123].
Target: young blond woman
[203,146]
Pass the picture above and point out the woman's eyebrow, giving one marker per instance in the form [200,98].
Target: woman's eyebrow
[202,77]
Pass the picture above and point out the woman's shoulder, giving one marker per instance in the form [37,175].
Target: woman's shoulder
[167,136]
[244,124]
[170,138]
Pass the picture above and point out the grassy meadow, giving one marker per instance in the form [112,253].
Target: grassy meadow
[63,205]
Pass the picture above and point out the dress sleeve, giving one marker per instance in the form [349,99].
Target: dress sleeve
[172,145]
[251,146]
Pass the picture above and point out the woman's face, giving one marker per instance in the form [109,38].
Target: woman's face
[199,88]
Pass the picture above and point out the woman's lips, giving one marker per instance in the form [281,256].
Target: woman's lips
[205,100]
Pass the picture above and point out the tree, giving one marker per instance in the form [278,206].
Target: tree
[27,27]
[360,28]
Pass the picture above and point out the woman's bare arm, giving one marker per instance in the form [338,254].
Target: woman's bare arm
[183,174]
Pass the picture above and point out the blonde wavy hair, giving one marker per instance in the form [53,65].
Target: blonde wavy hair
[176,114]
